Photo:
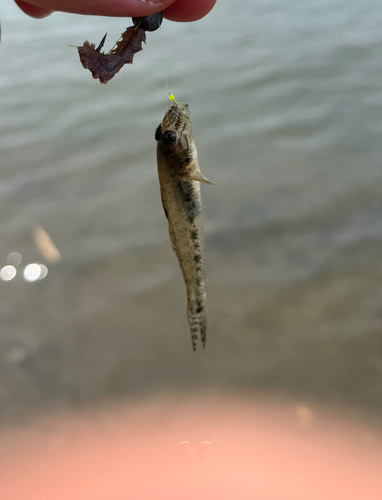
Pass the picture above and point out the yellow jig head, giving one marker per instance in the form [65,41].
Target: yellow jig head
[182,107]
[172,98]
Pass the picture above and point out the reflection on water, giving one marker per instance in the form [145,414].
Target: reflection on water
[7,273]
[286,100]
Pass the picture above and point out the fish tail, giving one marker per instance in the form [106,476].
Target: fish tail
[198,327]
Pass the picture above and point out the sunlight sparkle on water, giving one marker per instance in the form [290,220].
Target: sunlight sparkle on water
[44,271]
[7,273]
[14,259]
[32,272]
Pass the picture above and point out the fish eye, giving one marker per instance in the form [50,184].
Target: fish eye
[158,133]
[169,137]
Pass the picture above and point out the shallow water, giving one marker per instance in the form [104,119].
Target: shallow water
[286,106]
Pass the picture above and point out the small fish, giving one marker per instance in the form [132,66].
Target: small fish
[179,178]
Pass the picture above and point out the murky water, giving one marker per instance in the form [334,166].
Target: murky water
[286,104]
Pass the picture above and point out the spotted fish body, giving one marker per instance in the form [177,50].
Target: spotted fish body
[179,178]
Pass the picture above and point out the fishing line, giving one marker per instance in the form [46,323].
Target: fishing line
[165,72]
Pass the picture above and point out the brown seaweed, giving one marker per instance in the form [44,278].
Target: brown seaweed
[106,66]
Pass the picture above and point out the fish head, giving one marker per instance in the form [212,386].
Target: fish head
[175,145]
[174,134]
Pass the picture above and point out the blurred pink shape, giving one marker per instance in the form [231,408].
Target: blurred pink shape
[191,450]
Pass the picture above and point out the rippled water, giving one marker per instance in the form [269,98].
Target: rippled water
[286,104]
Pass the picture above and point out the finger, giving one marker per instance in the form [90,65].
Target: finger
[186,11]
[114,8]
[33,10]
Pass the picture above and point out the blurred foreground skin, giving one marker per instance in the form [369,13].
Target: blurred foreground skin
[189,450]
[174,10]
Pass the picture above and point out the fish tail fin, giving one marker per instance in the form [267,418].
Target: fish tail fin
[198,327]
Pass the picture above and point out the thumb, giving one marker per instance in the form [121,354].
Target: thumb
[114,8]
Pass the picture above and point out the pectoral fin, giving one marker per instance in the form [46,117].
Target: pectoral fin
[198,176]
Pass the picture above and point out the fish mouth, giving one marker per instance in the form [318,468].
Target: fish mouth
[183,108]
[177,117]
[177,114]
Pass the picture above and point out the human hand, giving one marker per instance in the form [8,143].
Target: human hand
[193,448]
[175,10]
